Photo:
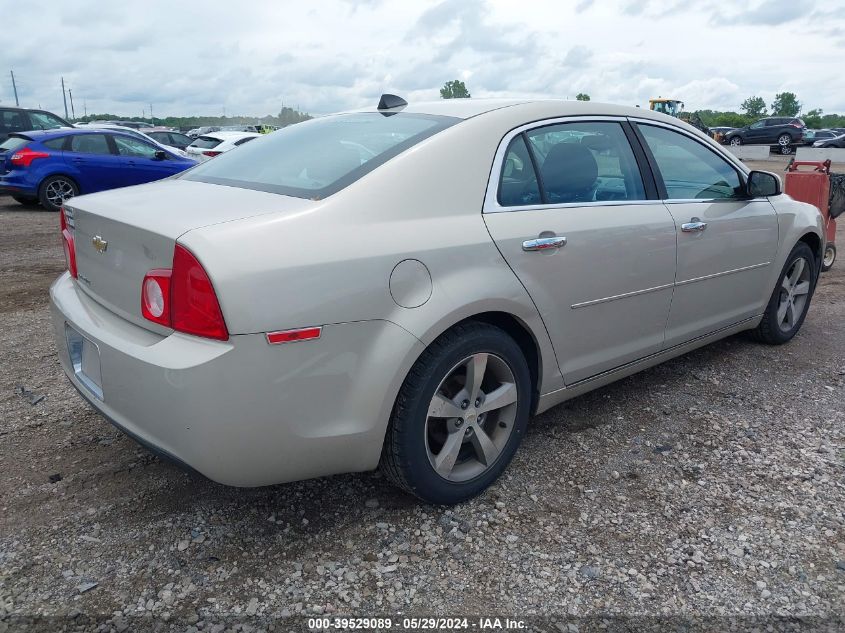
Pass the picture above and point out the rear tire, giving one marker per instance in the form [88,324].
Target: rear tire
[784,140]
[54,190]
[829,257]
[450,437]
[790,298]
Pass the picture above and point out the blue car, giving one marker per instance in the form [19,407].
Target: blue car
[51,166]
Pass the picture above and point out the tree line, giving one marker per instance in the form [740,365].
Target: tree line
[286,116]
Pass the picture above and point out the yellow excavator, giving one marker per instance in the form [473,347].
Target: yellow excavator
[675,108]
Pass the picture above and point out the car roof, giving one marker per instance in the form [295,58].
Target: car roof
[229,134]
[45,135]
[468,108]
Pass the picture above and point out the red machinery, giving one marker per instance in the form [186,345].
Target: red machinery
[813,187]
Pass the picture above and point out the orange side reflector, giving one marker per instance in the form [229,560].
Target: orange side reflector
[291,336]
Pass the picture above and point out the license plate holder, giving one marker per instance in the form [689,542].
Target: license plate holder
[85,361]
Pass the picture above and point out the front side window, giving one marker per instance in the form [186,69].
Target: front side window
[90,144]
[45,121]
[320,157]
[128,146]
[689,169]
[758,125]
[585,162]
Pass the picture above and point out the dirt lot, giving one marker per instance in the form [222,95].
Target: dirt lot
[713,485]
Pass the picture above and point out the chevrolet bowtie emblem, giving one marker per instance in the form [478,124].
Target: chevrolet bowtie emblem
[99,244]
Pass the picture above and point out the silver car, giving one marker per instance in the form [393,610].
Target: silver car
[404,287]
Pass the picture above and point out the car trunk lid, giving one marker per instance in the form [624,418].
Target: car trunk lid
[122,234]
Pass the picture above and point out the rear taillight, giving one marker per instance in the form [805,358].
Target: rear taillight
[67,243]
[24,157]
[211,153]
[155,296]
[796,125]
[183,298]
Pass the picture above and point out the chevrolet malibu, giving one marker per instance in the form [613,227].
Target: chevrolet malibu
[404,287]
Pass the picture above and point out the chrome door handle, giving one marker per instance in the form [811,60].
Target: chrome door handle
[693,225]
[543,243]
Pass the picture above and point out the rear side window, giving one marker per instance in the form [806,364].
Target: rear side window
[55,143]
[13,121]
[161,137]
[90,144]
[689,169]
[585,162]
[320,157]
[518,184]
[206,142]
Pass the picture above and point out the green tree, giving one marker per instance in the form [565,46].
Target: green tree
[813,118]
[454,90]
[582,96]
[754,107]
[786,104]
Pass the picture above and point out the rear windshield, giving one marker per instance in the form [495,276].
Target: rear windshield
[13,142]
[320,157]
[206,142]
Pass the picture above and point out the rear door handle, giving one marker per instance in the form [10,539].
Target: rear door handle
[693,226]
[543,243]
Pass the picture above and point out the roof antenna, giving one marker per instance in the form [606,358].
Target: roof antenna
[389,101]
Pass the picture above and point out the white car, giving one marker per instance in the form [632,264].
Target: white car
[215,143]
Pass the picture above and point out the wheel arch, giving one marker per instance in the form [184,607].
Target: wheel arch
[816,244]
[59,172]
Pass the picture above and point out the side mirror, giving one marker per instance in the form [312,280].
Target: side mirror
[160,155]
[762,184]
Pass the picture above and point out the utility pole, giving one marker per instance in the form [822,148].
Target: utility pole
[72,111]
[15,88]
[152,120]
[64,96]
[85,105]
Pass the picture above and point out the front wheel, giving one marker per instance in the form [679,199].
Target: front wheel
[459,416]
[735,141]
[829,257]
[55,190]
[790,299]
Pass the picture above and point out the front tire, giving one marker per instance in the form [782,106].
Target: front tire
[829,257]
[54,190]
[790,299]
[460,415]
[735,141]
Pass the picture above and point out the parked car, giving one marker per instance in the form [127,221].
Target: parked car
[782,131]
[835,142]
[52,166]
[720,133]
[139,134]
[215,143]
[324,312]
[811,136]
[14,120]
[171,138]
[199,131]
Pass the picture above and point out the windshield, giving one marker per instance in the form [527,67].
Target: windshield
[320,157]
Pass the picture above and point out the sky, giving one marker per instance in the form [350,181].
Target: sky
[191,57]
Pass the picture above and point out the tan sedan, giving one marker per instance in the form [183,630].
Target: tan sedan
[406,286]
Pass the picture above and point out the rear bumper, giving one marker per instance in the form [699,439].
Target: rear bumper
[13,184]
[242,412]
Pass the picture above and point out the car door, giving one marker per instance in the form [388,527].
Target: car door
[92,162]
[139,160]
[571,212]
[726,241]
[756,132]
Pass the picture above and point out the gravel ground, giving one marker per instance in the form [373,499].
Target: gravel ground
[711,486]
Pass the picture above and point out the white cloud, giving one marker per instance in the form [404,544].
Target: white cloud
[201,56]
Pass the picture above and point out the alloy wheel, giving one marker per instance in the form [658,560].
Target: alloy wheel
[471,417]
[794,293]
[829,257]
[784,140]
[736,141]
[58,191]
